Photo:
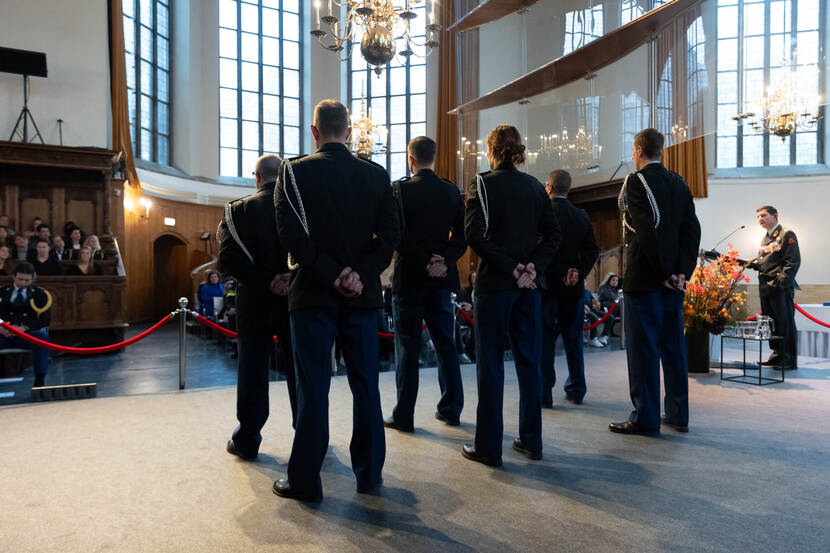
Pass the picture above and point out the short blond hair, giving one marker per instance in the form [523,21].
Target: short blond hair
[331,118]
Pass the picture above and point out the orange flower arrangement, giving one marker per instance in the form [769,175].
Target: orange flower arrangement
[711,293]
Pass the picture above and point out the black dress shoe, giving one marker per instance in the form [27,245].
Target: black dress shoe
[469,451]
[529,453]
[773,360]
[233,450]
[40,380]
[282,488]
[369,488]
[677,427]
[390,422]
[628,427]
[574,400]
[446,420]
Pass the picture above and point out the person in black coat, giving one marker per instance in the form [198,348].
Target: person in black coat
[338,220]
[662,235]
[777,264]
[563,310]
[42,260]
[251,251]
[27,308]
[509,223]
[432,240]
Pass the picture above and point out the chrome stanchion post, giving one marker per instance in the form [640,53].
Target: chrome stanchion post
[182,341]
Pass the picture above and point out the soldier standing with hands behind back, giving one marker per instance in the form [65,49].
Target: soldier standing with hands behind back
[250,250]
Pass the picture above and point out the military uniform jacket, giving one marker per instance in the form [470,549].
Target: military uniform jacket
[660,226]
[262,258]
[34,317]
[578,248]
[778,261]
[431,212]
[519,227]
[352,222]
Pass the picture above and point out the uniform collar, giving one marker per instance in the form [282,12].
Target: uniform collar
[774,230]
[269,185]
[506,166]
[424,172]
[333,147]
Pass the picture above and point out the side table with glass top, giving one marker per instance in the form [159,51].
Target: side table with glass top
[745,378]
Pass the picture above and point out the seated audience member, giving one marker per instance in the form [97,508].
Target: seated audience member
[44,231]
[59,250]
[6,263]
[27,308]
[593,313]
[21,247]
[607,293]
[464,334]
[4,222]
[94,244]
[42,261]
[74,241]
[85,265]
[211,288]
[5,237]
[32,233]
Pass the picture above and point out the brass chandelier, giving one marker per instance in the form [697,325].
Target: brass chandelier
[376,20]
[782,110]
[367,138]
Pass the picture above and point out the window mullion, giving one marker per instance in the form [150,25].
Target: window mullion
[767,73]
[260,93]
[239,88]
[740,75]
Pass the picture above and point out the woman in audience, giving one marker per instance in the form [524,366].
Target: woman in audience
[75,241]
[607,294]
[5,237]
[6,263]
[85,265]
[94,244]
[211,288]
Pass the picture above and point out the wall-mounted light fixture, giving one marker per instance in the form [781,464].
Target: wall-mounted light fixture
[142,210]
[170,221]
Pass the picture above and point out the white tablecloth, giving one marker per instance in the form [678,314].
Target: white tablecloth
[813,339]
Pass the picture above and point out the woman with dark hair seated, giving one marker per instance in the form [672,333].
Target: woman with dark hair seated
[85,265]
[6,263]
[74,241]
[211,288]
[607,293]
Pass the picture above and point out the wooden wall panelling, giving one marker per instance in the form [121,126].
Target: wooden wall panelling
[137,249]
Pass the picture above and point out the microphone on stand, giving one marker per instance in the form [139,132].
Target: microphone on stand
[713,253]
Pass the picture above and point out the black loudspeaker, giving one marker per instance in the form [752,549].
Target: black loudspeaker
[22,62]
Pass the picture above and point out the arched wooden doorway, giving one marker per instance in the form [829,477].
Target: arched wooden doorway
[171,274]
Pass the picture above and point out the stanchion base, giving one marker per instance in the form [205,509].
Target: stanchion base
[70,391]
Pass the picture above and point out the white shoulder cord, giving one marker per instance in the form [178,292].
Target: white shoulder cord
[234,233]
[286,166]
[623,205]
[485,205]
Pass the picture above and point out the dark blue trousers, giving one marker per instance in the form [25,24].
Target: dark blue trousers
[563,315]
[40,356]
[517,314]
[313,331]
[252,411]
[434,307]
[654,332]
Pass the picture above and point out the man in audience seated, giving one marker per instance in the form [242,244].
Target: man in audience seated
[27,308]
[44,263]
[33,231]
[59,250]
[593,313]
[21,247]
[4,222]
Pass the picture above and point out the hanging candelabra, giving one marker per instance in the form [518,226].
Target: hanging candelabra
[783,110]
[376,21]
[367,138]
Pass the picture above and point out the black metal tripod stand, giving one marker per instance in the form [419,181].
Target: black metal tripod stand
[24,118]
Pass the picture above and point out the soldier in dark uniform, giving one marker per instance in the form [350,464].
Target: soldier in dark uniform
[662,236]
[432,240]
[338,220]
[777,264]
[563,310]
[509,223]
[250,250]
[27,308]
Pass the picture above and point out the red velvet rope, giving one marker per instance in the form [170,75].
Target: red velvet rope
[469,319]
[822,323]
[216,327]
[596,324]
[85,351]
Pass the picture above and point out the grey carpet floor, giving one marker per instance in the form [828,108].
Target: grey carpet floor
[149,473]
